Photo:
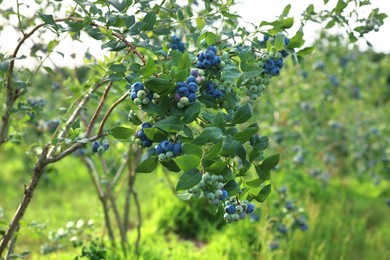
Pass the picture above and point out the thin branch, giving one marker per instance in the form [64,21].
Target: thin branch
[113,203]
[109,111]
[12,245]
[99,108]
[119,173]
[102,196]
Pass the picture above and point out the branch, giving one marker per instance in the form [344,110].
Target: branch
[99,108]
[109,111]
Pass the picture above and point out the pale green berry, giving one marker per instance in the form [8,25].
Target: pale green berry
[228,90]
[210,196]
[202,185]
[235,217]
[100,150]
[222,64]
[218,194]
[220,185]
[248,92]
[228,218]
[220,178]
[254,97]
[141,94]
[206,177]
[272,55]
[242,215]
[162,157]
[145,101]
[201,72]
[253,88]
[225,56]
[169,154]
[239,209]
[180,105]
[214,178]
[137,101]
[185,101]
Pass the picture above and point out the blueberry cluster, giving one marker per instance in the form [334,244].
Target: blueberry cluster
[209,58]
[199,75]
[271,62]
[140,95]
[211,186]
[168,150]
[274,245]
[100,147]
[255,87]
[214,90]
[143,141]
[236,210]
[186,92]
[177,44]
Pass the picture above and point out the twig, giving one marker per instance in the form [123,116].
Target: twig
[99,108]
[109,111]
[12,245]
[102,197]
[119,173]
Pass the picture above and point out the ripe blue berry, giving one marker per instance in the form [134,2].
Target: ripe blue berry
[146,125]
[192,97]
[166,145]
[217,93]
[105,144]
[206,64]
[137,87]
[194,72]
[230,209]
[201,56]
[183,91]
[147,143]
[95,146]
[212,48]
[269,64]
[209,88]
[133,95]
[141,135]
[249,208]
[190,79]
[192,87]
[216,61]
[158,149]
[177,149]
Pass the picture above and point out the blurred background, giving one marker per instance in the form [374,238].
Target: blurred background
[327,118]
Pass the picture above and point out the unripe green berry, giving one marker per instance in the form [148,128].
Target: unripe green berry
[228,90]
[145,101]
[162,157]
[222,64]
[137,101]
[100,150]
[180,105]
[218,194]
[169,154]
[220,185]
[228,218]
[214,178]
[253,88]
[235,217]
[225,56]
[201,72]
[239,209]
[210,196]
[141,94]
[248,92]
[254,97]
[206,177]
[185,101]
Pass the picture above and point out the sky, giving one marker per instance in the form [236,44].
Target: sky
[252,11]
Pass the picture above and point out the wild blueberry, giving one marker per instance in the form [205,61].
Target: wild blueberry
[192,97]
[147,143]
[201,56]
[209,55]
[212,48]
[177,148]
[166,145]
[230,209]
[95,146]
[105,144]
[216,60]
[224,195]
[133,95]
[217,93]
[209,88]
[141,135]
[279,63]
[192,87]
[146,125]
[249,208]
[158,149]
[190,79]
[137,86]
[194,72]
[269,64]
[183,91]
[286,41]
[275,71]
[206,64]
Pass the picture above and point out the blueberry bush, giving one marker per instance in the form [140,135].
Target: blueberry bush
[176,91]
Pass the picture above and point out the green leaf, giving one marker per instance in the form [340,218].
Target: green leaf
[216,167]
[187,162]
[133,117]
[200,24]
[170,165]
[231,72]
[119,68]
[263,194]
[232,187]
[297,40]
[191,113]
[148,165]
[254,183]
[184,196]
[262,173]
[244,136]
[219,120]
[150,21]
[230,147]
[286,10]
[184,61]
[211,38]
[160,86]
[242,115]
[48,19]
[214,151]
[52,44]
[189,179]
[149,69]
[279,41]
[191,149]
[155,134]
[270,162]
[210,134]
[171,124]
[306,51]
[341,5]
[121,132]
[120,6]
